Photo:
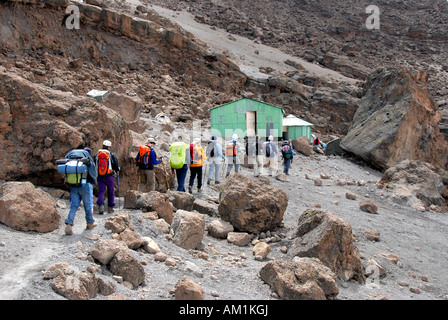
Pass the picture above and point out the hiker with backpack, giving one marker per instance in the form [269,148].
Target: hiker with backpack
[81,181]
[288,155]
[317,145]
[197,158]
[215,157]
[145,160]
[179,161]
[107,167]
[270,151]
[258,161]
[233,150]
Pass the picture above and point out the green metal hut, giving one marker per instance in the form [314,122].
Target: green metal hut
[296,127]
[246,117]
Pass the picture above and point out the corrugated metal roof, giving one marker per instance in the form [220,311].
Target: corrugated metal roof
[225,104]
[294,121]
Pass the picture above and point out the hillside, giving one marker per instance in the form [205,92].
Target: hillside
[179,59]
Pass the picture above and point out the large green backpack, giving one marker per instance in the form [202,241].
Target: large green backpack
[178,155]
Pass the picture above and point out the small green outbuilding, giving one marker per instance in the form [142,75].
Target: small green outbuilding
[246,117]
[296,127]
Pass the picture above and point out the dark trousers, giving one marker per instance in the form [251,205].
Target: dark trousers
[181,175]
[196,171]
[103,184]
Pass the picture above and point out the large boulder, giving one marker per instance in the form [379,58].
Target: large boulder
[40,125]
[417,184]
[188,229]
[251,205]
[396,120]
[324,235]
[302,145]
[24,207]
[300,279]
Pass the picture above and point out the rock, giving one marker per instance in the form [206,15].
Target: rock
[205,207]
[300,279]
[124,264]
[105,250]
[131,239]
[187,289]
[350,195]
[317,181]
[302,145]
[46,113]
[150,245]
[373,268]
[417,183]
[188,229]
[128,107]
[324,235]
[390,257]
[372,235]
[24,207]
[368,205]
[119,222]
[251,205]
[181,200]
[219,229]
[397,120]
[240,239]
[151,201]
[261,249]
[162,225]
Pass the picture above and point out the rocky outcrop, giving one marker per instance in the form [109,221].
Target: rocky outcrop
[41,125]
[251,205]
[300,279]
[417,184]
[397,120]
[324,235]
[26,208]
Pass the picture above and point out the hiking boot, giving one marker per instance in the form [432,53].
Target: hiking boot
[91,225]
[68,230]
[101,209]
[110,209]
[189,190]
[216,182]
[199,189]
[208,181]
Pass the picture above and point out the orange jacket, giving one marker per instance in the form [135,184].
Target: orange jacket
[201,158]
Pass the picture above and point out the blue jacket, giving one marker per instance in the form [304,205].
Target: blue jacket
[152,160]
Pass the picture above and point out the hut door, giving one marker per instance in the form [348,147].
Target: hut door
[269,129]
[251,123]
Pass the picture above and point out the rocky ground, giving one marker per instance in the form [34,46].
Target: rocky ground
[230,272]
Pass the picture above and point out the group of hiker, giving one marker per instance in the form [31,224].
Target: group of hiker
[192,156]
[83,171]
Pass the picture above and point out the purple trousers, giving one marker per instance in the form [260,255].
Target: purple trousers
[103,183]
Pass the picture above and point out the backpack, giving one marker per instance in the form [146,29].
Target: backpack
[75,171]
[231,149]
[268,149]
[143,159]
[195,154]
[286,151]
[104,164]
[178,154]
[211,149]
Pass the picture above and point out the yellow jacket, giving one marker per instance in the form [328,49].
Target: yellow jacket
[198,160]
